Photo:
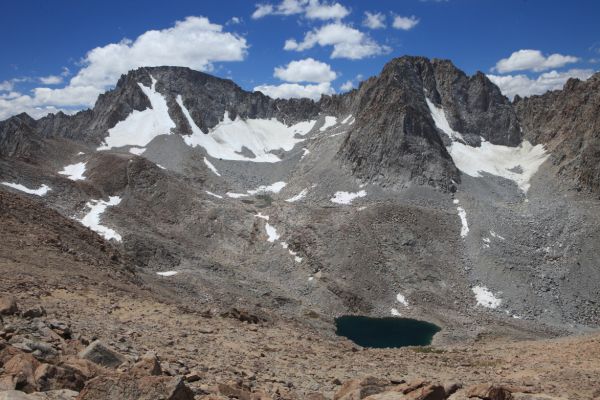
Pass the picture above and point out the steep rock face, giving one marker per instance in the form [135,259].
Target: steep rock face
[395,139]
[16,135]
[473,105]
[568,122]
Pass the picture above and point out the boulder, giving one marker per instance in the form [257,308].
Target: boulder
[50,395]
[488,391]
[357,389]
[34,312]
[19,373]
[147,366]
[49,377]
[128,387]
[97,352]
[8,305]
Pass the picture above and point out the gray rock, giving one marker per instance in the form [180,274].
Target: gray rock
[97,352]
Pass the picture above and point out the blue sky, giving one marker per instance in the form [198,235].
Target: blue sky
[48,63]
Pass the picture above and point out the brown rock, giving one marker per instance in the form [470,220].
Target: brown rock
[8,305]
[19,373]
[357,389]
[127,387]
[488,391]
[233,391]
[51,377]
[97,352]
[429,392]
[147,366]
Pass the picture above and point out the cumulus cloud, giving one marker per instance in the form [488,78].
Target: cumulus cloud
[6,86]
[295,90]
[51,80]
[374,20]
[307,70]
[311,9]
[351,83]
[194,42]
[532,60]
[347,42]
[522,85]
[405,23]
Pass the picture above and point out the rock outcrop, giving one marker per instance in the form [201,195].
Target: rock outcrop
[567,121]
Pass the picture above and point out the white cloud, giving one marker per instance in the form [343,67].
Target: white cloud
[5,86]
[262,10]
[347,42]
[405,23]
[294,90]
[351,83]
[311,9]
[533,60]
[347,86]
[194,42]
[307,70]
[51,79]
[234,21]
[521,84]
[317,10]
[374,20]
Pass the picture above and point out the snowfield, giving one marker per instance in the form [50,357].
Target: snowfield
[485,297]
[92,218]
[234,139]
[517,164]
[74,171]
[41,191]
[140,127]
[347,197]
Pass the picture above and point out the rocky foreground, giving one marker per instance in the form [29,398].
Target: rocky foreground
[44,356]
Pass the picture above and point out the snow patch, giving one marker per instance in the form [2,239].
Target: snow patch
[140,127]
[298,197]
[439,117]
[234,139]
[347,197]
[495,235]
[485,297]
[395,312]
[236,195]
[211,167]
[455,201]
[214,194]
[329,122]
[305,152]
[273,188]
[41,191]
[464,230]
[80,153]
[138,151]
[167,273]
[345,120]
[74,171]
[92,218]
[402,300]
[260,215]
[271,233]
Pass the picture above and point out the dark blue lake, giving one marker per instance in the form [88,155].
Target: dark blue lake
[385,332]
